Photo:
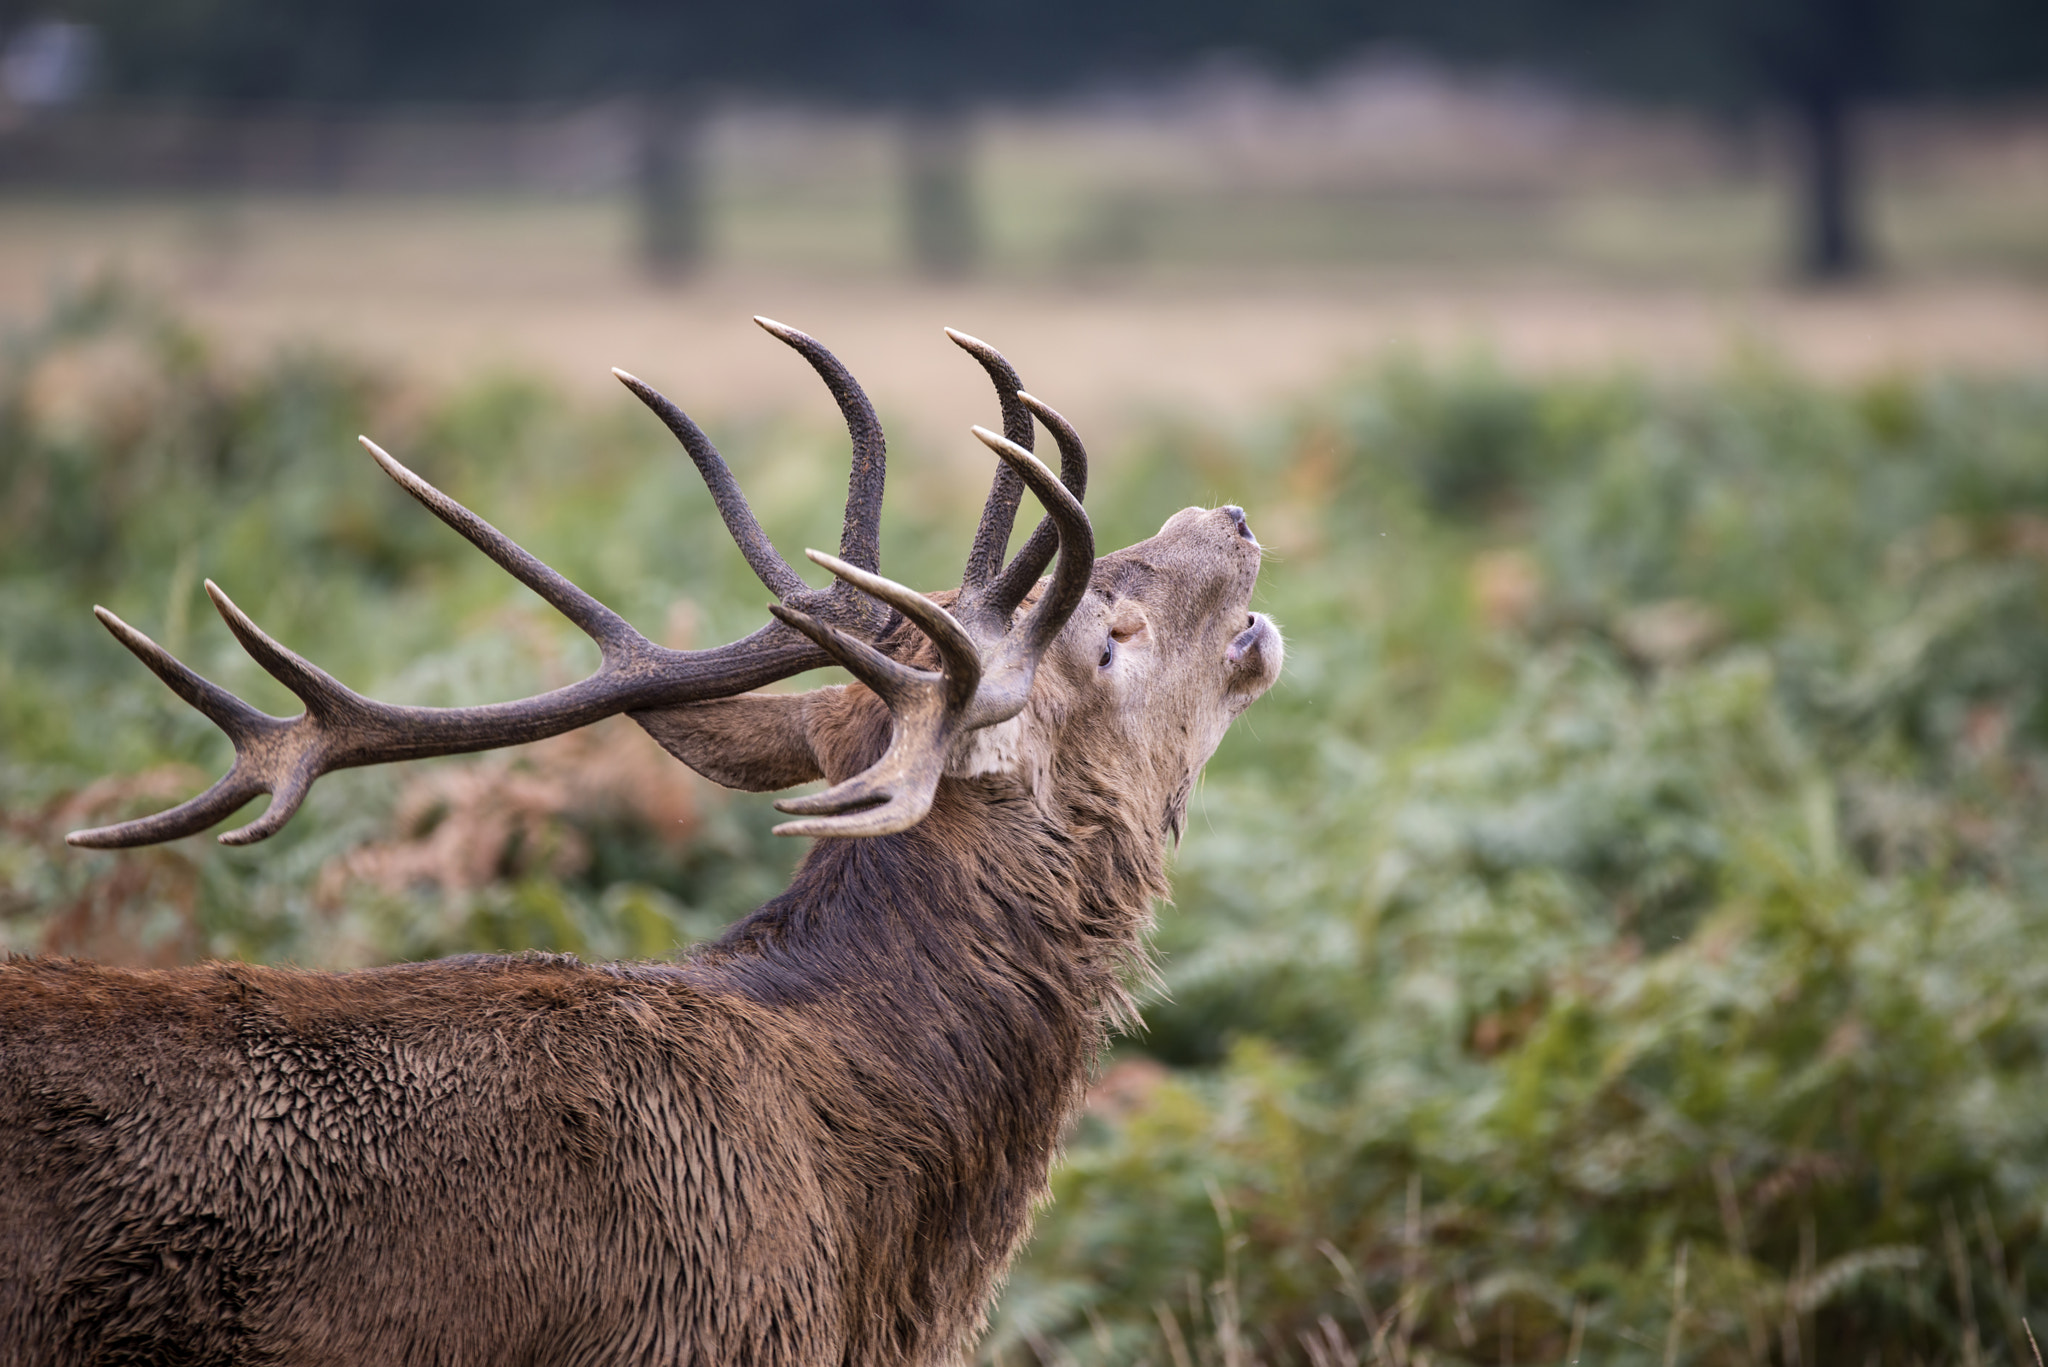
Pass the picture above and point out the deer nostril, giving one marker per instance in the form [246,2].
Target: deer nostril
[1236,514]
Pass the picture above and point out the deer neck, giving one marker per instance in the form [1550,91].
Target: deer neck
[950,988]
[993,893]
[985,955]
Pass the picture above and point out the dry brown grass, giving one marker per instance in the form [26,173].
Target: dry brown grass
[458,828]
[445,289]
[102,916]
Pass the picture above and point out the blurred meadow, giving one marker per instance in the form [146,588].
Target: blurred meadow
[1205,250]
[1622,937]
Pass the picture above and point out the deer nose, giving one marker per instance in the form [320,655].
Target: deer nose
[1237,518]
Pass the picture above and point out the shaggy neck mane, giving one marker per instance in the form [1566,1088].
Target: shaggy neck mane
[966,974]
[989,920]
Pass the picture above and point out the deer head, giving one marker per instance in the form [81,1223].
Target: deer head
[1149,652]
[1156,664]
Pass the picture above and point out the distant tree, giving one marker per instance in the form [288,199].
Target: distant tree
[670,60]
[1817,61]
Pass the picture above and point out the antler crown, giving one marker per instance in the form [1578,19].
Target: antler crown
[986,672]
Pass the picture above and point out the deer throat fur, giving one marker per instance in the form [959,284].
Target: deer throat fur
[965,1003]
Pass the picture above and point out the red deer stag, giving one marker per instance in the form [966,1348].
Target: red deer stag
[818,1140]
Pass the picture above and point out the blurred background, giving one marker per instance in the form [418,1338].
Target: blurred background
[1619,939]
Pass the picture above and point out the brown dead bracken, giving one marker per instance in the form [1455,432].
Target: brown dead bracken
[816,1140]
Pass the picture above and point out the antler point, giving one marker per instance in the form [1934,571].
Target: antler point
[122,632]
[233,615]
[1007,449]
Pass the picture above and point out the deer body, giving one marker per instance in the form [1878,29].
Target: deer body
[817,1140]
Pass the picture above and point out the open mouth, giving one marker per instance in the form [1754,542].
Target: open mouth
[1247,642]
[1253,662]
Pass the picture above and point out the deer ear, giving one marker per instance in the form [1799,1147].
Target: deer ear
[757,742]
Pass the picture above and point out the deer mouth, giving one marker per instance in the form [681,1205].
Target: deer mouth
[1254,657]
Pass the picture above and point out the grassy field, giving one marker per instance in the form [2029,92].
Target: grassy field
[441,292]
[1620,938]
[1207,255]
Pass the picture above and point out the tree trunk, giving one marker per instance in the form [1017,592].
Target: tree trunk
[669,182]
[1832,245]
[939,211]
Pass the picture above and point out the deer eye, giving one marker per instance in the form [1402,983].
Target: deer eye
[1108,654]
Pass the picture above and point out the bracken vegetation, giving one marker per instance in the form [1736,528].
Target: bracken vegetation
[1619,939]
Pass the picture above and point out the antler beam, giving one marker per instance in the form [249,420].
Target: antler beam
[342,729]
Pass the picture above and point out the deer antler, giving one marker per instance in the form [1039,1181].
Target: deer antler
[989,592]
[977,685]
[342,729]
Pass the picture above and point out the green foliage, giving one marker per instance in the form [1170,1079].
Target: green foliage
[1637,871]
[1619,933]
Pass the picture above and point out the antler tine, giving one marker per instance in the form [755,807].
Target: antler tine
[860,538]
[285,798]
[246,727]
[1007,682]
[271,754]
[613,636]
[887,677]
[875,803]
[187,818]
[209,699]
[999,513]
[896,791]
[1023,571]
[958,654]
[1076,540]
[1073,532]
[762,557]
[321,692]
